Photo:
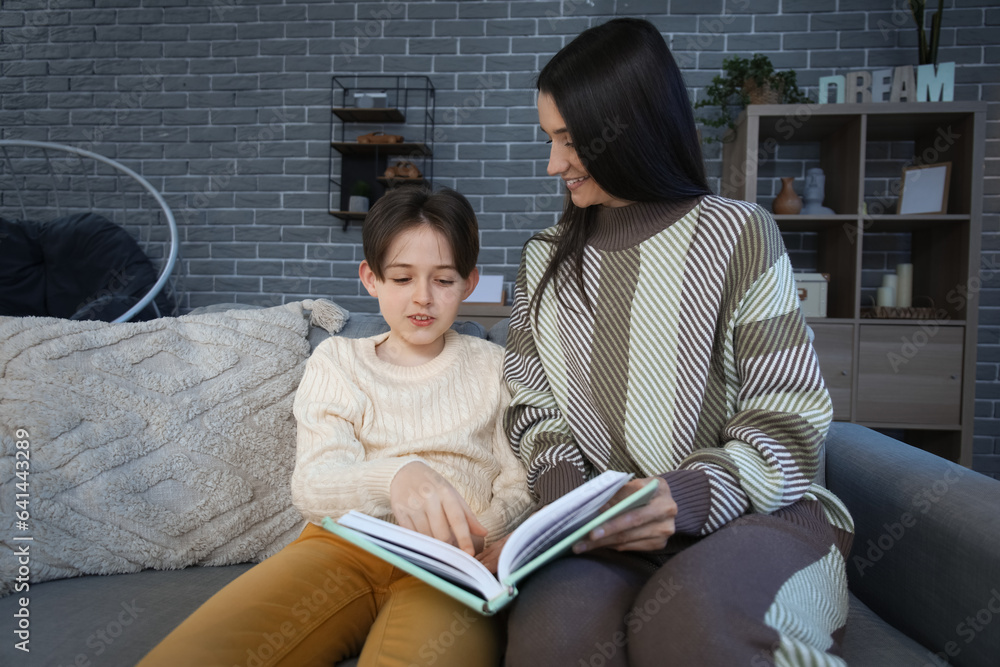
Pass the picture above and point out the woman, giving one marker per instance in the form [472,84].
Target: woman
[656,330]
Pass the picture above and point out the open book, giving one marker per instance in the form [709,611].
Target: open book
[545,535]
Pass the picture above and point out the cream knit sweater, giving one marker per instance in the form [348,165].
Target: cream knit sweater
[361,419]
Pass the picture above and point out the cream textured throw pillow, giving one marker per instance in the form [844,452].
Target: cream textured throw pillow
[157,444]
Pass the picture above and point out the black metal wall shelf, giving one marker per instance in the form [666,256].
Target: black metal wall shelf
[407,97]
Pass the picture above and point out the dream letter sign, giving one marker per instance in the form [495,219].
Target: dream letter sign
[929,85]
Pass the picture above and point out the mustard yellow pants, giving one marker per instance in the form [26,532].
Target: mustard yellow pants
[321,600]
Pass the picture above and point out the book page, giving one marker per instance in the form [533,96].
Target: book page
[558,519]
[439,557]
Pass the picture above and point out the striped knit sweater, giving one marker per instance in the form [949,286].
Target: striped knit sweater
[695,364]
[361,419]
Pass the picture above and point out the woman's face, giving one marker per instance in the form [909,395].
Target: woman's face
[565,162]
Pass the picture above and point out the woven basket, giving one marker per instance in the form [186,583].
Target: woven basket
[894,313]
[761,94]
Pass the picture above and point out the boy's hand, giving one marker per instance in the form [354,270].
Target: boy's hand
[491,556]
[424,501]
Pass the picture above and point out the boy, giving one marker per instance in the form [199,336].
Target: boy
[405,426]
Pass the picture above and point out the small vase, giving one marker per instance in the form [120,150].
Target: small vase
[357,204]
[787,202]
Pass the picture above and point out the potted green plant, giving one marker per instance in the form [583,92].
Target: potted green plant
[360,197]
[747,81]
[927,46]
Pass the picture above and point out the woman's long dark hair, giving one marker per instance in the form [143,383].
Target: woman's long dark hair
[627,110]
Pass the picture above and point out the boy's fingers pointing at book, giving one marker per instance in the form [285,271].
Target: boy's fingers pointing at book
[454,512]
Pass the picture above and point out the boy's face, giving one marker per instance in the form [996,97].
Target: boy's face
[419,295]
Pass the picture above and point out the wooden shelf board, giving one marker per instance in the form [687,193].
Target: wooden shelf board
[876,224]
[406,148]
[348,215]
[909,321]
[831,320]
[369,115]
[808,223]
[908,124]
[786,129]
[400,181]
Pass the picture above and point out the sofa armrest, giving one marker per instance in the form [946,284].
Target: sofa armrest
[926,554]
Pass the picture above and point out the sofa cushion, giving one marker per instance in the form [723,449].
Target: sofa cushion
[117,620]
[871,642]
[112,620]
[156,444]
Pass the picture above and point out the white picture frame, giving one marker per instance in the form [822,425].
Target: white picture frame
[924,189]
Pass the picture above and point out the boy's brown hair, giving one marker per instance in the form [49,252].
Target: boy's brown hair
[410,206]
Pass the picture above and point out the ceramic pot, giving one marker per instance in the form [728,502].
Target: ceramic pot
[357,204]
[787,202]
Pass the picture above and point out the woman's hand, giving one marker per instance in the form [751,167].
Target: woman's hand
[645,528]
[490,557]
[424,501]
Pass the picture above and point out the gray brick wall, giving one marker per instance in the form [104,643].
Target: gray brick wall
[224,106]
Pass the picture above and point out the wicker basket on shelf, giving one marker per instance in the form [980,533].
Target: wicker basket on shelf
[900,313]
[894,313]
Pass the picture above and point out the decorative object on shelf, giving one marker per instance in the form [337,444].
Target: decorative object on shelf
[904,286]
[380,138]
[745,82]
[886,297]
[812,289]
[359,201]
[927,48]
[930,83]
[402,169]
[925,189]
[815,193]
[787,202]
[370,100]
[887,292]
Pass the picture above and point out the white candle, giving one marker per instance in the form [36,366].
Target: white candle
[886,296]
[890,280]
[904,288]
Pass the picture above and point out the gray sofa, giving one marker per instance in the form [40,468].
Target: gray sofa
[924,571]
